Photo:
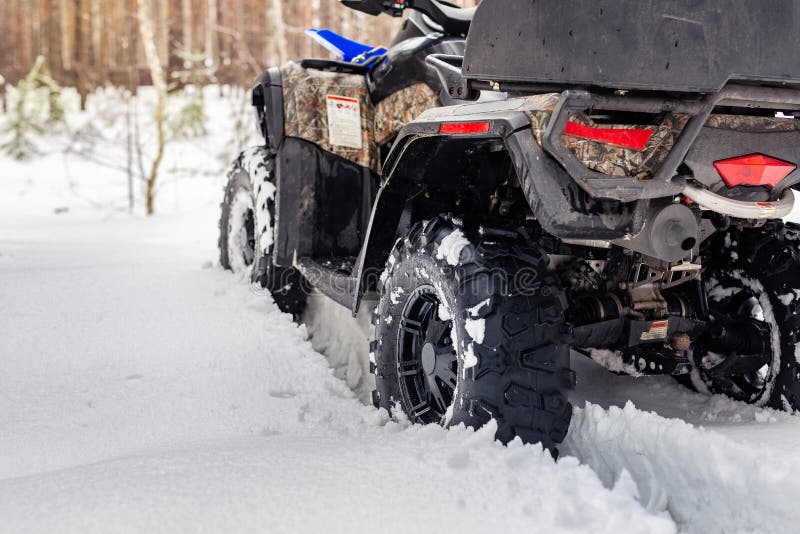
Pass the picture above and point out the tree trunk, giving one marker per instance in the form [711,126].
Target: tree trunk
[96,24]
[129,146]
[163,35]
[148,37]
[186,26]
[82,31]
[212,45]
[276,29]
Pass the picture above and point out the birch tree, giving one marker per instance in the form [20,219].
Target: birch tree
[276,32]
[212,47]
[186,26]
[147,33]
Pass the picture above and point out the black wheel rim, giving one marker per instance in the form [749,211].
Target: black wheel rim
[427,364]
[249,238]
[742,377]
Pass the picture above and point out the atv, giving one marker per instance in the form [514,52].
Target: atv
[512,185]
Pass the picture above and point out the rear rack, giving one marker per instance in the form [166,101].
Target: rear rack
[666,181]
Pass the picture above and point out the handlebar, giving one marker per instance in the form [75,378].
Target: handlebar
[453,19]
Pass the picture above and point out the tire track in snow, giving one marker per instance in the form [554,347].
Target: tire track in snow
[708,481]
[164,396]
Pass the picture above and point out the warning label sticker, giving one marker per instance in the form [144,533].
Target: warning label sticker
[344,121]
[658,330]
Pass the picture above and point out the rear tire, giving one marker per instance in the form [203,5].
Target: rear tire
[471,328]
[757,267]
[247,230]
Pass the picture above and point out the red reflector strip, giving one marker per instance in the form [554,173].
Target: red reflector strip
[634,139]
[463,128]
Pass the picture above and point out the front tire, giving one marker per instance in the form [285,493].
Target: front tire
[237,236]
[470,328]
[247,230]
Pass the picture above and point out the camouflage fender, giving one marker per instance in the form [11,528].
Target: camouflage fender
[746,123]
[401,107]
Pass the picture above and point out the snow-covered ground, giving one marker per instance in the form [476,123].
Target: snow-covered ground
[144,389]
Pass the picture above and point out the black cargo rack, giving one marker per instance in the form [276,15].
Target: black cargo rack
[689,46]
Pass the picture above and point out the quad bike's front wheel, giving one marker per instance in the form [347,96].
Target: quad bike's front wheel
[753,284]
[247,230]
[471,328]
[237,240]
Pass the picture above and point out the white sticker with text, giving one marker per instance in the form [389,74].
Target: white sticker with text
[658,330]
[344,121]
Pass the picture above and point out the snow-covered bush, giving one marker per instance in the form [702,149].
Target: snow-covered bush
[99,156]
[186,116]
[37,103]
[242,131]
[102,123]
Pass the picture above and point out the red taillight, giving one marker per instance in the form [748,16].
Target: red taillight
[753,169]
[628,138]
[463,128]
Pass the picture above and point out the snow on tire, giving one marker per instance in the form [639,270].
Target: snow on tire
[239,240]
[471,328]
[247,230]
[237,236]
[247,221]
[756,271]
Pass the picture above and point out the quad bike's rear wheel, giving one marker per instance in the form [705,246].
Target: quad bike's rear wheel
[471,327]
[247,229]
[753,284]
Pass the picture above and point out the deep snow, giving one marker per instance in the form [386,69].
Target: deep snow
[145,389]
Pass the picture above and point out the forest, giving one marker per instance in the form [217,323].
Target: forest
[54,50]
[91,43]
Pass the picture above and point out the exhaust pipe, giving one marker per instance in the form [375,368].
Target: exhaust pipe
[740,209]
[670,232]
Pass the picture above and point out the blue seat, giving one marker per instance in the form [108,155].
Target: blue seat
[345,49]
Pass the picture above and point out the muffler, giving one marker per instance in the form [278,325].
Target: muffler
[669,233]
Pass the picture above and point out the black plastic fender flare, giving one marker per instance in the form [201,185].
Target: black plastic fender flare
[556,200]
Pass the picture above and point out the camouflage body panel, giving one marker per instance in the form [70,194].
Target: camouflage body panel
[306,114]
[624,162]
[401,107]
[615,160]
[747,123]
[605,158]
[539,109]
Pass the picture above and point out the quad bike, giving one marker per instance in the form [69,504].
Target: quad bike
[512,185]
